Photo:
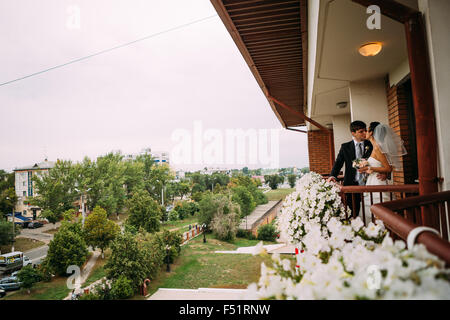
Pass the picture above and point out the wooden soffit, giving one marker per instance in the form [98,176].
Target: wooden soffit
[271,36]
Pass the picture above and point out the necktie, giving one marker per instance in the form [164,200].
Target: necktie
[359,154]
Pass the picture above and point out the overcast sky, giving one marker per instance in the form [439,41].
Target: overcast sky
[127,99]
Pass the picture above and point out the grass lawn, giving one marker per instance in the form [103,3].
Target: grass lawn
[22,244]
[199,267]
[53,290]
[278,194]
[52,231]
[180,223]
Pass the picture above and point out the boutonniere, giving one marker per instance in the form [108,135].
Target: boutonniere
[367,148]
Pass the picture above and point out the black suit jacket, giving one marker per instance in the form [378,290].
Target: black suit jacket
[346,155]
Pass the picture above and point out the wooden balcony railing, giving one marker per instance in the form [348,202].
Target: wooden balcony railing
[351,194]
[402,216]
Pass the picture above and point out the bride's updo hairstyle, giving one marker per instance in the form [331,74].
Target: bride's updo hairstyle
[381,130]
[373,125]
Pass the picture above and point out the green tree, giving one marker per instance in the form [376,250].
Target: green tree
[8,197]
[56,189]
[67,248]
[304,170]
[99,231]
[212,203]
[291,179]
[29,276]
[128,259]
[245,199]
[6,232]
[224,226]
[273,180]
[144,211]
[51,216]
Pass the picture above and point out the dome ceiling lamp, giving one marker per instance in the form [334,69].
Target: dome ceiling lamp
[370,49]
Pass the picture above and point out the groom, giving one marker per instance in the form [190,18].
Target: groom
[359,147]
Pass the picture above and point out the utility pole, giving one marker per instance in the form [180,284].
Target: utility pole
[13,234]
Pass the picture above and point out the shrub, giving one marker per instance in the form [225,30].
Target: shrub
[122,288]
[174,215]
[224,226]
[182,210]
[241,233]
[267,232]
[260,197]
[29,276]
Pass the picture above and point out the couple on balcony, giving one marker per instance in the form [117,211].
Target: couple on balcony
[369,160]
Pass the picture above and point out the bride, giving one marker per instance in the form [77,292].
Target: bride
[387,150]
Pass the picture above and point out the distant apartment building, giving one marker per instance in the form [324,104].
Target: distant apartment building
[25,188]
[160,157]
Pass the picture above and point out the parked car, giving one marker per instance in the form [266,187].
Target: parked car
[35,224]
[2,293]
[10,283]
[26,261]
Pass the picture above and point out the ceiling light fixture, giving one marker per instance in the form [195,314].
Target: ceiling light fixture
[341,105]
[370,49]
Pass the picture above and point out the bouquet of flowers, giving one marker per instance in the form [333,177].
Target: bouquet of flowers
[360,163]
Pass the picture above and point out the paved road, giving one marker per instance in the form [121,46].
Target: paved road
[39,233]
[37,255]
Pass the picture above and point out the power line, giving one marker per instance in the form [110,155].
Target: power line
[108,50]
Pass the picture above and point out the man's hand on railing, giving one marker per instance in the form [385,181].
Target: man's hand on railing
[331,179]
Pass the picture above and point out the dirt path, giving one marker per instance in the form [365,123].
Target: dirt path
[87,269]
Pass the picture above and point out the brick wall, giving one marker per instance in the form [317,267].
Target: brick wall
[398,120]
[319,151]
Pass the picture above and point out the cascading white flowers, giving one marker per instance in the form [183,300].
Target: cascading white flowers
[341,260]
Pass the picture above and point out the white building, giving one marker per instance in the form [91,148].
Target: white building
[25,188]
[159,156]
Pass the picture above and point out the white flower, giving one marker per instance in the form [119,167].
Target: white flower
[357,224]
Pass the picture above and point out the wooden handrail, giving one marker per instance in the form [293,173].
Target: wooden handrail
[402,227]
[407,188]
[418,201]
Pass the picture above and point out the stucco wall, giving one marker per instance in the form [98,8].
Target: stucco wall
[368,101]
